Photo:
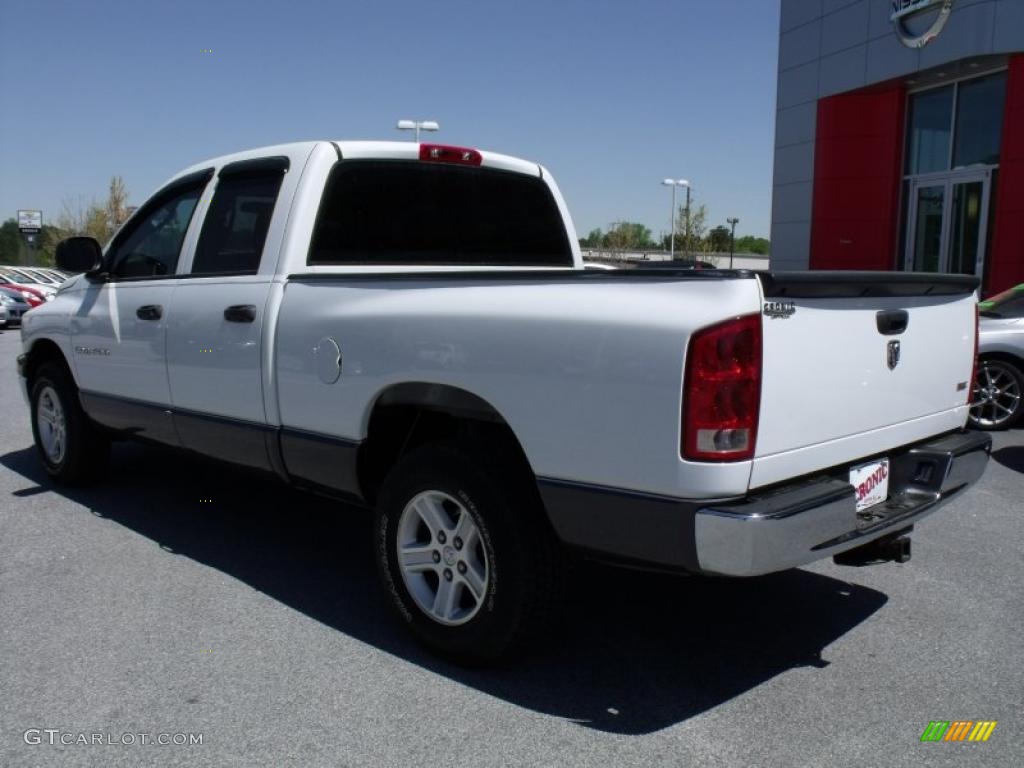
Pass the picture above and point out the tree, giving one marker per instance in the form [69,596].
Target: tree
[627,236]
[690,230]
[116,207]
[719,238]
[751,244]
[593,239]
[10,242]
[14,249]
[98,220]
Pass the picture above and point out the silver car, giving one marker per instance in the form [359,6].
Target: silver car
[1000,382]
[14,305]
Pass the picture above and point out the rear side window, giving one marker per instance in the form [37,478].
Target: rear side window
[411,213]
[235,228]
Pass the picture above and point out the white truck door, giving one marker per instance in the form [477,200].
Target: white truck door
[119,332]
[216,340]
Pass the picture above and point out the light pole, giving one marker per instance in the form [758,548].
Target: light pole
[732,239]
[418,125]
[677,183]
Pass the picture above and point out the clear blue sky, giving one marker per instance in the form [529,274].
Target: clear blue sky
[611,96]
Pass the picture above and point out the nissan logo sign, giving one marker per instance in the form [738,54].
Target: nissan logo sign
[904,9]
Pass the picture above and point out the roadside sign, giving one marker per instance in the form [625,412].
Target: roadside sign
[30,222]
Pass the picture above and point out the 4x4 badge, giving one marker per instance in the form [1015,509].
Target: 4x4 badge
[779,309]
[894,354]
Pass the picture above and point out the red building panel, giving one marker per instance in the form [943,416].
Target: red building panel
[1006,262]
[857,171]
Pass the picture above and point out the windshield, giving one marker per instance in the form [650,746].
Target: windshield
[43,277]
[20,276]
[1009,303]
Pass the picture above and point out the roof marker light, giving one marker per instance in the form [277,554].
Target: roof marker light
[440,153]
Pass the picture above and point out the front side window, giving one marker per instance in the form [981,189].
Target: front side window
[235,229]
[150,245]
[414,213]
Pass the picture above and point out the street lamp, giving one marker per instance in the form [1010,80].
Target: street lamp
[732,239]
[678,183]
[418,125]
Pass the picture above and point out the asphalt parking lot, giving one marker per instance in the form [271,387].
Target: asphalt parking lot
[185,597]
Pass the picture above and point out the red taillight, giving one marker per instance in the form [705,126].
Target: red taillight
[439,153]
[722,391]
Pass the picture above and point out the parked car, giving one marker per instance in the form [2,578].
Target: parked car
[14,304]
[60,277]
[677,264]
[4,317]
[31,294]
[999,386]
[23,277]
[411,327]
[43,275]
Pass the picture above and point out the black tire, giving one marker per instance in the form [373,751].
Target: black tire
[86,450]
[523,558]
[998,395]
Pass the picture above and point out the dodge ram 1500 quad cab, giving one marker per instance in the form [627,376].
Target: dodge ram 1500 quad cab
[410,327]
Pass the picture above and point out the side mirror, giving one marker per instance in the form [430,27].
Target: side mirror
[79,254]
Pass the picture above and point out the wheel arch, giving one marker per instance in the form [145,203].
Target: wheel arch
[43,351]
[1004,355]
[409,414]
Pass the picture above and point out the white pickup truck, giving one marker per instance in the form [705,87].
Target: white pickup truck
[411,327]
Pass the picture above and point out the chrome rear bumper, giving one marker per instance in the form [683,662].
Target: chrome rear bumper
[797,524]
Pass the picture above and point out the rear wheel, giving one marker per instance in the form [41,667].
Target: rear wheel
[71,448]
[463,553]
[997,395]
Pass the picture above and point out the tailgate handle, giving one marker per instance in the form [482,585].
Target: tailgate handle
[892,321]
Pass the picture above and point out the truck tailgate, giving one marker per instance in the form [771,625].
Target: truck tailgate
[856,364]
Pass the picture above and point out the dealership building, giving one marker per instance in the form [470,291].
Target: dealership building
[899,137]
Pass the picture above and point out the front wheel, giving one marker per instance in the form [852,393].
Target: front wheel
[71,448]
[463,554]
[996,402]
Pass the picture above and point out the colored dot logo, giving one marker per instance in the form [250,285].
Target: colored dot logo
[207,50]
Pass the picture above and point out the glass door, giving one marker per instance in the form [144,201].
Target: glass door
[926,230]
[947,225]
[967,227]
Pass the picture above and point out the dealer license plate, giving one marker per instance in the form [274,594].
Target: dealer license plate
[871,483]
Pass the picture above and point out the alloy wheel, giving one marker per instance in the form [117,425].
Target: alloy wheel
[997,395]
[442,557]
[52,425]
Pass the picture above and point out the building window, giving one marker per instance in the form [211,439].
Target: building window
[956,126]
[979,121]
[930,127]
